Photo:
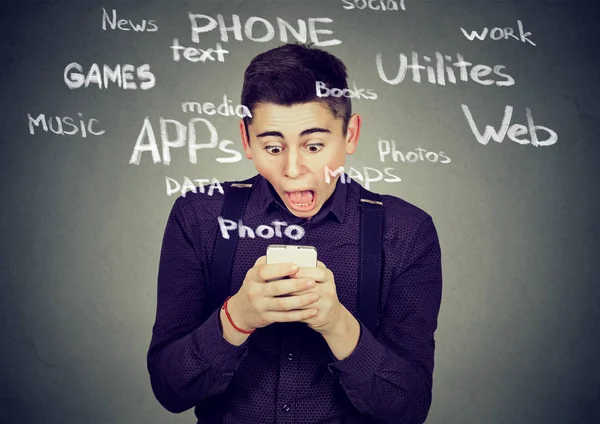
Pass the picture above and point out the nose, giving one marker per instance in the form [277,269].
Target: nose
[294,166]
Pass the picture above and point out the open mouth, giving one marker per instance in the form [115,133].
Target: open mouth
[302,200]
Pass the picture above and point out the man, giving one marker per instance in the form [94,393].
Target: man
[292,349]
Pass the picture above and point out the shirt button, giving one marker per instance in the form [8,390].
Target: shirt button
[286,407]
[290,356]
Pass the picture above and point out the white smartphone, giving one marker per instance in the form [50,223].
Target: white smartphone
[303,256]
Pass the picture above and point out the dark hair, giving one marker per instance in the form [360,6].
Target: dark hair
[287,75]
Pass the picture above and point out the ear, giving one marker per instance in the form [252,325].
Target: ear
[245,141]
[353,133]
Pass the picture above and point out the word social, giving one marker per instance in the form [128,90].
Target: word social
[295,232]
[382,5]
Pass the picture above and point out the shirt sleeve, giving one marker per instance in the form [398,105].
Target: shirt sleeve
[188,360]
[389,377]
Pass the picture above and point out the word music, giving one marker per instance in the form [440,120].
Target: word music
[295,232]
[196,185]
[498,33]
[184,134]
[443,69]
[64,126]
[126,24]
[512,131]
[261,30]
[122,76]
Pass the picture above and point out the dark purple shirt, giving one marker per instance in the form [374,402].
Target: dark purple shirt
[285,372]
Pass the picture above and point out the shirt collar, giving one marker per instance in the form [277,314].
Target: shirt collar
[335,206]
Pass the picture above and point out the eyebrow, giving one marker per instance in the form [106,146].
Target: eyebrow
[303,133]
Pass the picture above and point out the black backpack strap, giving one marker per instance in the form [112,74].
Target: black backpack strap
[371,263]
[219,281]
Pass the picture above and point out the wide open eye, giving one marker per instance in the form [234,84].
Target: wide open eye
[314,147]
[274,150]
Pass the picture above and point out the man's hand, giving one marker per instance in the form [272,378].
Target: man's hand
[329,309]
[257,304]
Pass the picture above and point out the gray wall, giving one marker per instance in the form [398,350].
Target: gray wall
[82,227]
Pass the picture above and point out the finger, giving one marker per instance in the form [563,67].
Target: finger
[318,274]
[289,303]
[321,264]
[287,286]
[266,272]
[290,316]
[261,260]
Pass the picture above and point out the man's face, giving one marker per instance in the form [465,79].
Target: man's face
[291,146]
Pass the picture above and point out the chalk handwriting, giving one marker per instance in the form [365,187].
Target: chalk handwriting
[224,109]
[371,175]
[125,24]
[196,54]
[357,93]
[382,5]
[512,131]
[121,75]
[196,185]
[183,134]
[498,33]
[261,30]
[442,69]
[295,232]
[65,125]
[385,148]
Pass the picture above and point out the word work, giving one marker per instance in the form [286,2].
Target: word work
[498,33]
[196,54]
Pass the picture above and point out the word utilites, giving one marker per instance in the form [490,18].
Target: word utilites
[357,93]
[295,232]
[498,33]
[443,69]
[512,131]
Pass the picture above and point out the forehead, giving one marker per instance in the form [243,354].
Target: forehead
[298,115]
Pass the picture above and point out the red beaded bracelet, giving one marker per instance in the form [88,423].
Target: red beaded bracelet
[231,321]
